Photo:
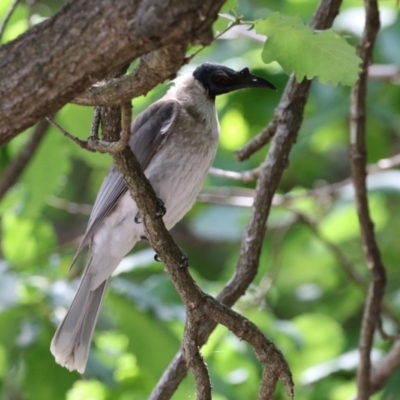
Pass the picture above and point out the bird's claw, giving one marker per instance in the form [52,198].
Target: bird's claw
[161,210]
[184,262]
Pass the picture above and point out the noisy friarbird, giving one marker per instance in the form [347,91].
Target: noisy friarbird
[175,141]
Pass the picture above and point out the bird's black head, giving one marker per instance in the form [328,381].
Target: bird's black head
[218,79]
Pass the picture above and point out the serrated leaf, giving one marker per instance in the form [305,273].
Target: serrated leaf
[229,5]
[297,48]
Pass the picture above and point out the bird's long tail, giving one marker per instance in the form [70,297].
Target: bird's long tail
[71,342]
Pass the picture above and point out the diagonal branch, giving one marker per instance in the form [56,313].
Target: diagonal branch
[385,369]
[159,65]
[192,355]
[359,172]
[257,142]
[198,304]
[288,117]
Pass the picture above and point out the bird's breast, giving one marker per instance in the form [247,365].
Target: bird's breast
[179,168]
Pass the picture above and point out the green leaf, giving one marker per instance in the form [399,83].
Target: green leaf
[229,5]
[223,21]
[297,48]
[89,389]
[341,224]
[323,339]
[24,239]
[221,24]
[150,340]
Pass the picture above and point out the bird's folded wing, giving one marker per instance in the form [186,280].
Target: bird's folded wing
[149,131]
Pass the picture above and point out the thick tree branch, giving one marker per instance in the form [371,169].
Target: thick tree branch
[48,66]
[154,68]
[358,162]
[17,166]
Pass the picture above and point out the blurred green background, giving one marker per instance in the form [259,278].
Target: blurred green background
[303,298]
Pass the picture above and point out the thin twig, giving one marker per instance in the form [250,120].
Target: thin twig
[69,206]
[359,172]
[7,17]
[237,20]
[257,142]
[384,335]
[244,197]
[381,72]
[81,143]
[17,166]
[245,176]
[101,146]
[385,369]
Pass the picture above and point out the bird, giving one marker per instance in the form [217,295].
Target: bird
[175,141]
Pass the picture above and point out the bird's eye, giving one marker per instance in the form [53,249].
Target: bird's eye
[221,79]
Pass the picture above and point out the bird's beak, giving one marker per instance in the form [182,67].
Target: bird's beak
[247,80]
[221,80]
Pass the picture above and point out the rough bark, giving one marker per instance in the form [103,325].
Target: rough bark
[58,59]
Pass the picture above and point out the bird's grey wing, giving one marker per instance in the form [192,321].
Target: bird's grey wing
[148,133]
[151,128]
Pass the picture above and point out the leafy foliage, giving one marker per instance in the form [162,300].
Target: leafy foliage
[307,53]
[302,298]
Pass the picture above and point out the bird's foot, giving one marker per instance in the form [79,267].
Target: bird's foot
[184,262]
[161,210]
